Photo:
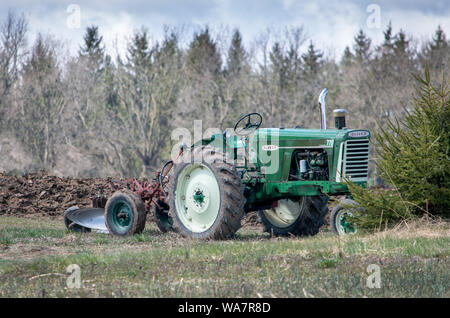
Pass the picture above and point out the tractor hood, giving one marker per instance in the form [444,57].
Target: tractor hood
[270,139]
[303,134]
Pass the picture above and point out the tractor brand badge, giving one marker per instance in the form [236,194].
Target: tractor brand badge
[270,147]
[359,134]
[330,142]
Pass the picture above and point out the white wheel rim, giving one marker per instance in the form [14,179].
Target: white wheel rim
[197,197]
[285,213]
[340,223]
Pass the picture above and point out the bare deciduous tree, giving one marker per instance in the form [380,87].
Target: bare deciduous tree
[12,50]
[38,120]
[118,112]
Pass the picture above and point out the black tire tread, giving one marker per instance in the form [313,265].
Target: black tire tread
[233,200]
[158,215]
[309,223]
[138,208]
[335,211]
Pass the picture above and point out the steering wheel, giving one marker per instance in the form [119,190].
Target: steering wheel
[245,126]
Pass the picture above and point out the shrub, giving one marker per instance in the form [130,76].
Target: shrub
[413,159]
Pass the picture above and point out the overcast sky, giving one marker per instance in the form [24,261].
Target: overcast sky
[331,25]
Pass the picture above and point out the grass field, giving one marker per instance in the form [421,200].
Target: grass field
[35,253]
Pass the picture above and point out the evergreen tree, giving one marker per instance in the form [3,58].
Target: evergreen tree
[203,55]
[139,55]
[347,57]
[149,82]
[112,100]
[401,45]
[170,44]
[95,93]
[236,76]
[413,154]
[387,47]
[278,64]
[93,48]
[362,48]
[168,51]
[402,62]
[237,57]
[294,64]
[439,40]
[312,61]
[437,51]
[384,59]
[42,62]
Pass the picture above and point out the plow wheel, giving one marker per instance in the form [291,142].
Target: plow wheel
[125,213]
[206,198]
[303,216]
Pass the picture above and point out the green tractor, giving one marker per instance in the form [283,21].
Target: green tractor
[286,175]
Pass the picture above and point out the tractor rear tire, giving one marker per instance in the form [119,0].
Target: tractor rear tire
[206,198]
[307,220]
[125,213]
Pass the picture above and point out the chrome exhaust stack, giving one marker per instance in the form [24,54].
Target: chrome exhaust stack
[323,116]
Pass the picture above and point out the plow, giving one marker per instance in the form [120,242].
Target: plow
[148,195]
[286,175]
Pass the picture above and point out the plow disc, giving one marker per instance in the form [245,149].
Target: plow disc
[82,220]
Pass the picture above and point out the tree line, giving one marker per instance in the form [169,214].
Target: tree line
[93,114]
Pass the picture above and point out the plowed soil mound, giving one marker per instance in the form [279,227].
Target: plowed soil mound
[43,194]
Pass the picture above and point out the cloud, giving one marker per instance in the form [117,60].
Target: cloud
[331,25]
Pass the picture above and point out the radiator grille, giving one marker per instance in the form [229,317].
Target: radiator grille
[355,159]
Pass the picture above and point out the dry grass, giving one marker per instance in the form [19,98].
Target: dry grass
[422,227]
[35,252]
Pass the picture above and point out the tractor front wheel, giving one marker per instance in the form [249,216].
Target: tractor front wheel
[303,216]
[341,218]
